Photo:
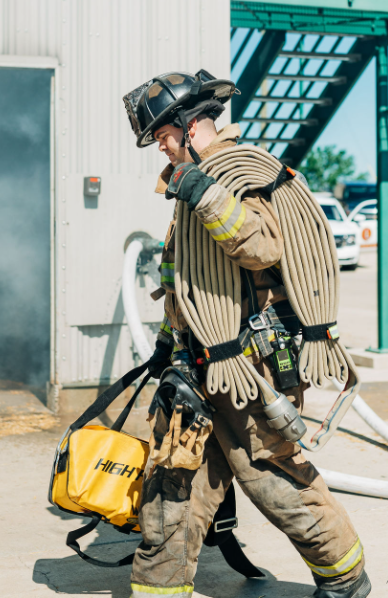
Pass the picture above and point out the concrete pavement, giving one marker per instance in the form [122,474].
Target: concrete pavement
[35,562]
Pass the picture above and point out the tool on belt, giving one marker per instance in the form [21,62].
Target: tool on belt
[181,421]
[273,332]
[98,474]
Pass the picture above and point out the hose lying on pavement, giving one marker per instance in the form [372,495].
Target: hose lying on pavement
[310,272]
[367,414]
[354,483]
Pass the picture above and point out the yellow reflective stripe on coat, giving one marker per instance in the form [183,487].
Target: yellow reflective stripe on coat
[140,591]
[347,563]
[165,325]
[167,272]
[228,225]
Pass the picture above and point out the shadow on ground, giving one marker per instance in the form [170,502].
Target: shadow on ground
[71,575]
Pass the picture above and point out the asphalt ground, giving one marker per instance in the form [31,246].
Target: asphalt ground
[35,561]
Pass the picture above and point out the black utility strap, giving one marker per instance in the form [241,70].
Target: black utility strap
[319,332]
[107,397]
[249,284]
[229,349]
[235,557]
[224,351]
[226,510]
[122,418]
[275,273]
[238,345]
[226,540]
[72,543]
[285,174]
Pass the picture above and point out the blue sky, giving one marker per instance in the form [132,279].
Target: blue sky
[353,127]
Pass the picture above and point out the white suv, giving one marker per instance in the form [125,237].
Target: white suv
[346,234]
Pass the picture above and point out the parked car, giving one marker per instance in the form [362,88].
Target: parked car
[347,234]
[353,193]
[365,216]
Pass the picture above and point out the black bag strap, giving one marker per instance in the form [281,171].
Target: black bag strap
[108,396]
[226,510]
[228,544]
[75,535]
[237,560]
[122,418]
[226,540]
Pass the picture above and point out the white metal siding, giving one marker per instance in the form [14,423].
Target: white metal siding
[104,50]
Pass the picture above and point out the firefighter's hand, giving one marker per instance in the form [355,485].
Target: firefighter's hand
[160,360]
[188,183]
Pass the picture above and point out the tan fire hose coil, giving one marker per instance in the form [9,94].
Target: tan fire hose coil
[310,271]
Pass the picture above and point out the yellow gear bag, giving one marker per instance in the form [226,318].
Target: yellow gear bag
[98,471]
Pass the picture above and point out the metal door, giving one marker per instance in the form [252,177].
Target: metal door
[25,225]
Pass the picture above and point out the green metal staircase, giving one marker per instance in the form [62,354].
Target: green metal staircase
[295,61]
[296,77]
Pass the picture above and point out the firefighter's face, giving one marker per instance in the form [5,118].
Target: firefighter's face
[170,138]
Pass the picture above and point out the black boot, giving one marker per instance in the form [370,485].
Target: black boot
[358,589]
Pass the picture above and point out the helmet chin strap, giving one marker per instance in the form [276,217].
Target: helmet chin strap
[186,140]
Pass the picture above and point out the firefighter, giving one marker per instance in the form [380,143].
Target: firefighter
[177,111]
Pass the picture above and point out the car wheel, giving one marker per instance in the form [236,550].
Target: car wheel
[350,267]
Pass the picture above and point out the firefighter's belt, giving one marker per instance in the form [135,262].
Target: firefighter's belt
[258,326]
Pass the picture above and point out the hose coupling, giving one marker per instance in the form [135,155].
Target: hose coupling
[285,419]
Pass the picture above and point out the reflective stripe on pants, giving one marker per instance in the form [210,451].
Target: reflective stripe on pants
[347,563]
[140,591]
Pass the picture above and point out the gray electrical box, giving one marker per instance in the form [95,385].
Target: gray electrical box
[92,186]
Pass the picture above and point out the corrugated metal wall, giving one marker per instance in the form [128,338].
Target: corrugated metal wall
[104,50]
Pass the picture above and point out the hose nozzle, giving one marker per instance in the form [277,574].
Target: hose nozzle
[285,419]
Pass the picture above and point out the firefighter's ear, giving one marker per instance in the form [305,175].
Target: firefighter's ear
[192,127]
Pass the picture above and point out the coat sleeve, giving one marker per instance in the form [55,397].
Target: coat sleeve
[248,232]
[165,332]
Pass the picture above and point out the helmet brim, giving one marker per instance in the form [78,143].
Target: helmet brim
[223,91]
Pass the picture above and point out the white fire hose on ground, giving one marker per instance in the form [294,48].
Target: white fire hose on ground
[138,336]
[367,414]
[335,480]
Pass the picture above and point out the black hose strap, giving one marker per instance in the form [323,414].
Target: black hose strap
[320,332]
[223,351]
[230,348]
[75,535]
[284,175]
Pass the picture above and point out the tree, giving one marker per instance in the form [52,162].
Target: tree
[324,167]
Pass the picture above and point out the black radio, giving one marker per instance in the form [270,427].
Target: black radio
[285,362]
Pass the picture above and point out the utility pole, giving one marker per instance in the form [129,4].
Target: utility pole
[382,195]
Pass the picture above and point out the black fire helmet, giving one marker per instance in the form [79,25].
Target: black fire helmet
[175,98]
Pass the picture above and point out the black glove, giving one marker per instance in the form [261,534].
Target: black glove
[160,360]
[188,183]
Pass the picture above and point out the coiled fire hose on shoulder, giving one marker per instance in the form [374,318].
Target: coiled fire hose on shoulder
[310,272]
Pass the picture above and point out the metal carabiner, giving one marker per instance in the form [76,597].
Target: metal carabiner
[254,325]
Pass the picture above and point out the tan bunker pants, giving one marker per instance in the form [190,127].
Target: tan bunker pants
[178,505]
